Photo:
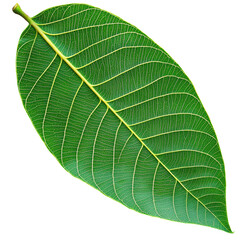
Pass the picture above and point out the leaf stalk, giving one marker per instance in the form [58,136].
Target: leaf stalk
[17,9]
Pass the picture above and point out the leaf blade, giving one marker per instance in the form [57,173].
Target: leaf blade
[122,73]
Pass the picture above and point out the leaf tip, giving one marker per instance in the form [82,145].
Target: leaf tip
[228,229]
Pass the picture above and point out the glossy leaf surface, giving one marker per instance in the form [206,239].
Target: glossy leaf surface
[120,114]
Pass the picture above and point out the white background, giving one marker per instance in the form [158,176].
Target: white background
[40,200]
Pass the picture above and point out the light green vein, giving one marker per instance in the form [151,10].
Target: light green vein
[108,38]
[178,131]
[146,85]
[80,140]
[133,178]
[195,166]
[29,56]
[188,150]
[83,28]
[49,96]
[116,50]
[168,115]
[63,19]
[25,104]
[66,125]
[129,69]
[154,98]
[196,178]
[94,147]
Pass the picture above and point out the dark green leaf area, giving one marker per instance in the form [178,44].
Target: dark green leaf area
[120,114]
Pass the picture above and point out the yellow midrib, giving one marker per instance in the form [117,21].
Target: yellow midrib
[41,32]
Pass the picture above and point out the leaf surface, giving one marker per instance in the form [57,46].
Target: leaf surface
[120,114]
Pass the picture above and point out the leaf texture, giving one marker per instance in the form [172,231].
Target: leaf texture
[120,114]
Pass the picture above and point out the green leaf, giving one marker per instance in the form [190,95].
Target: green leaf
[119,113]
